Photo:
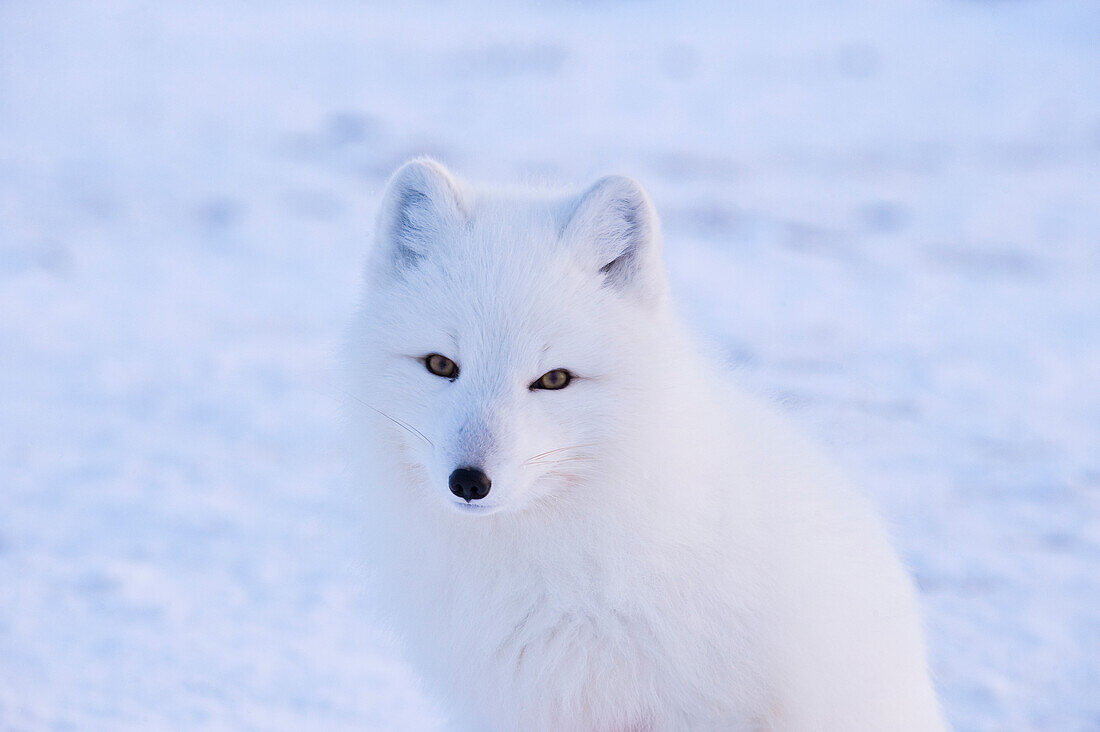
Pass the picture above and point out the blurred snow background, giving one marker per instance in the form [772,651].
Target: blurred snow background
[886,214]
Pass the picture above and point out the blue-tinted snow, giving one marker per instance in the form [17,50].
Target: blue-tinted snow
[885,214]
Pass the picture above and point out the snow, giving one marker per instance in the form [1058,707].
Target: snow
[885,214]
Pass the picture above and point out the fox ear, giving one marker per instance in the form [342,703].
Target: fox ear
[614,224]
[422,203]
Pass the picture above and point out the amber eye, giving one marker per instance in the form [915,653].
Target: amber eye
[556,379]
[441,366]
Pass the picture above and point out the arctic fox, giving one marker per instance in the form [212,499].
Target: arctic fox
[575,523]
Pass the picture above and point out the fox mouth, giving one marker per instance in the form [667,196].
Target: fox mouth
[473,508]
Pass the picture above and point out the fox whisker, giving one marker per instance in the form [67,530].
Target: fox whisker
[556,450]
[400,423]
[575,459]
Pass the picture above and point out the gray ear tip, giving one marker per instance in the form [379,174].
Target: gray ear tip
[623,193]
[617,195]
[621,186]
[424,179]
[420,171]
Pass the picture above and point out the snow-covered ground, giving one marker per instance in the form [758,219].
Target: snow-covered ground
[886,214]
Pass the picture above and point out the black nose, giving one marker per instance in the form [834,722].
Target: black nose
[470,484]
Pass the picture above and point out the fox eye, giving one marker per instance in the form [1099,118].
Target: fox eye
[441,366]
[556,379]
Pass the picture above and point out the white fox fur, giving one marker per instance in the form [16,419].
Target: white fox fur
[657,551]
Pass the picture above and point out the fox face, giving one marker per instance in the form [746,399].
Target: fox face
[501,337]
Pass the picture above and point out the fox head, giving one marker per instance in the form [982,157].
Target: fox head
[504,339]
